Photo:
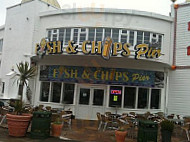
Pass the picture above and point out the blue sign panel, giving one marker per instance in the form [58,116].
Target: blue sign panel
[98,75]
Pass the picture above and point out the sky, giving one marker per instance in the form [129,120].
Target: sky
[157,6]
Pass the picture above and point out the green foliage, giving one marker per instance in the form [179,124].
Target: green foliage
[25,73]
[167,125]
[57,121]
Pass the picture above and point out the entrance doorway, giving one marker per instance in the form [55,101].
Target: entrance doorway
[90,100]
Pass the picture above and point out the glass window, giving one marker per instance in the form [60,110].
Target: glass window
[107,32]
[3,87]
[56,92]
[154,38]
[55,34]
[84,96]
[155,99]
[68,93]
[99,33]
[129,97]
[75,35]
[49,35]
[131,38]
[44,95]
[115,96]
[160,40]
[61,34]
[146,37]
[143,98]
[68,36]
[139,37]
[91,34]
[82,35]
[98,97]
[115,35]
[124,38]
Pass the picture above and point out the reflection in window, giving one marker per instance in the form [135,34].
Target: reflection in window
[107,32]
[115,96]
[84,96]
[49,35]
[143,98]
[56,92]
[131,38]
[91,34]
[146,37]
[115,35]
[129,97]
[68,93]
[98,97]
[139,37]
[155,99]
[75,35]
[61,34]
[99,33]
[68,35]
[44,95]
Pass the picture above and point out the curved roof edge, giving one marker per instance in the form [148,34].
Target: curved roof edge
[106,10]
[2,27]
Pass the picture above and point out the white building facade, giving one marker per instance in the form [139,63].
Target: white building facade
[91,60]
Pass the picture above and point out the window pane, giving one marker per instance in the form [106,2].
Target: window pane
[84,96]
[91,34]
[129,97]
[115,96]
[49,35]
[54,37]
[61,34]
[115,35]
[123,38]
[155,99]
[75,37]
[107,32]
[56,92]
[99,33]
[146,37]
[82,37]
[98,97]
[44,95]
[139,37]
[131,38]
[154,38]
[160,41]
[68,36]
[143,98]
[68,92]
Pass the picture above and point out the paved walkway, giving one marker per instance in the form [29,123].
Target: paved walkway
[82,131]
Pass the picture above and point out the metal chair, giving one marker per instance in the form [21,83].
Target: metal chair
[66,118]
[186,127]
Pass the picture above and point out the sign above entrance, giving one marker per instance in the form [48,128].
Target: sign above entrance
[94,75]
[104,48]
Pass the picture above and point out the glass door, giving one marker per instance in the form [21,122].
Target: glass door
[90,101]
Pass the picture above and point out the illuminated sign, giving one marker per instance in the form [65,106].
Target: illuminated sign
[116,92]
[104,48]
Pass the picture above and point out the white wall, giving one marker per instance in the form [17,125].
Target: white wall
[20,25]
[113,19]
[179,80]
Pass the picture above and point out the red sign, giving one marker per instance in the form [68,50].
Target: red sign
[116,92]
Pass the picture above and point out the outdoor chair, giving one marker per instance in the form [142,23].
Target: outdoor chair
[186,127]
[105,121]
[99,120]
[66,118]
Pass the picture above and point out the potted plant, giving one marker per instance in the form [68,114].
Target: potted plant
[57,128]
[18,122]
[166,130]
[120,134]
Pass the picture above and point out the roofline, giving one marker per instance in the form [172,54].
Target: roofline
[2,27]
[31,1]
[106,10]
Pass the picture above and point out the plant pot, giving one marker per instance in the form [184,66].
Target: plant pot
[120,135]
[166,136]
[18,124]
[56,129]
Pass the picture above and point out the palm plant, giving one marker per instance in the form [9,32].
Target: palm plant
[25,73]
